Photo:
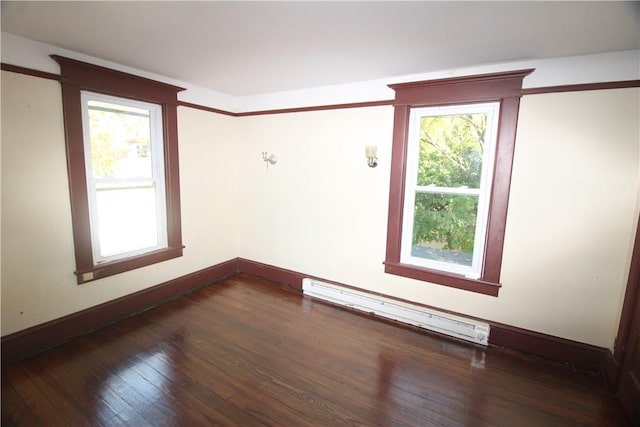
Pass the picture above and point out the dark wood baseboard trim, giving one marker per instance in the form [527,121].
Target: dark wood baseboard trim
[41,337]
[611,369]
[287,278]
[579,355]
[46,335]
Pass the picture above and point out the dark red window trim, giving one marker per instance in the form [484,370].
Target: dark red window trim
[505,88]
[76,76]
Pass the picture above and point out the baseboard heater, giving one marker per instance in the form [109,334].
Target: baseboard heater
[444,323]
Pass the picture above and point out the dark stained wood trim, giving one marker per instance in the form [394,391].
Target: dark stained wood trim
[29,71]
[120,266]
[624,84]
[205,108]
[483,79]
[72,116]
[40,337]
[499,87]
[452,280]
[580,355]
[288,110]
[293,279]
[172,176]
[288,278]
[76,77]
[526,91]
[113,82]
[316,108]
[499,201]
[396,190]
[613,369]
[460,90]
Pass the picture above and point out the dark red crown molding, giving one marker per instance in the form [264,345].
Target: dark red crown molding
[288,110]
[114,82]
[527,91]
[205,108]
[474,88]
[29,72]
[623,84]
[317,108]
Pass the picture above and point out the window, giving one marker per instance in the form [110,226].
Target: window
[449,159]
[451,169]
[125,176]
[122,155]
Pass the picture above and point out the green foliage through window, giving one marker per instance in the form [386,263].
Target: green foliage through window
[450,157]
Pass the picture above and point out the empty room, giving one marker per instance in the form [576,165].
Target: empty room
[320,213]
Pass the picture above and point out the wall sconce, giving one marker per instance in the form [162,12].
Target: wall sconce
[370,151]
[269,159]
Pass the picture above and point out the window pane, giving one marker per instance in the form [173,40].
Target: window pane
[444,227]
[451,150]
[126,219]
[120,141]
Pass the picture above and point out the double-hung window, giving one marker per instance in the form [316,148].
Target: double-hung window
[122,157]
[124,160]
[448,180]
[453,145]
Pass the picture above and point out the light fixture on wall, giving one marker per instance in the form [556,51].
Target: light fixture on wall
[370,151]
[269,159]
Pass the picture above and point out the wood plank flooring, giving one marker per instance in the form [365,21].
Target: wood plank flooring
[245,352]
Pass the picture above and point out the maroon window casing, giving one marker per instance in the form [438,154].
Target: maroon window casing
[77,76]
[505,88]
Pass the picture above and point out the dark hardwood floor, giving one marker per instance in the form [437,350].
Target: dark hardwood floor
[248,353]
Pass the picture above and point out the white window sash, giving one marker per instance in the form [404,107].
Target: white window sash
[432,189]
[156,180]
[483,193]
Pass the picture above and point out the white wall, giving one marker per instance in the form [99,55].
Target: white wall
[38,261]
[572,212]
[323,212]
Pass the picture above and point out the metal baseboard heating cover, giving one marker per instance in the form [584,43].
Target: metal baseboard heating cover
[444,323]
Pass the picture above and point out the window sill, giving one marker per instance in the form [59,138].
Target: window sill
[122,265]
[440,278]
